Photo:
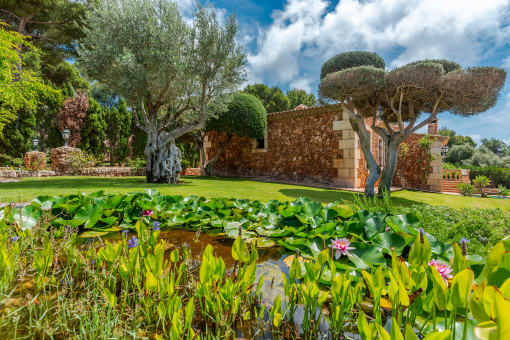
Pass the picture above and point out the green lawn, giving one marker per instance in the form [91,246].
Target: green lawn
[29,188]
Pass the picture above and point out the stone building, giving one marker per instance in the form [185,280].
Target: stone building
[318,145]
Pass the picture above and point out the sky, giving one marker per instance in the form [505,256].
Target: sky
[287,42]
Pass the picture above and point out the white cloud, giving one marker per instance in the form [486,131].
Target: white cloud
[303,36]
[506,62]
[476,138]
[301,84]
[500,116]
[279,45]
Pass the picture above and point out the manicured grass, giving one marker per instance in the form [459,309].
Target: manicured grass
[28,188]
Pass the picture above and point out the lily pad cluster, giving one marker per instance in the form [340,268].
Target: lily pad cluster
[302,225]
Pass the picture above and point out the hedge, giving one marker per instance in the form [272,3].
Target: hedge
[499,175]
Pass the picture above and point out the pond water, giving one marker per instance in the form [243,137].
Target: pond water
[271,264]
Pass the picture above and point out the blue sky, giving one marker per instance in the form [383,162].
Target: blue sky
[287,41]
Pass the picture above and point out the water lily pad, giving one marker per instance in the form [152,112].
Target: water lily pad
[89,234]
[387,240]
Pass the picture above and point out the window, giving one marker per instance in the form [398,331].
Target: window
[260,145]
[381,152]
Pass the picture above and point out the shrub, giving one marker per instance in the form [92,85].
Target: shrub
[447,165]
[480,183]
[459,153]
[484,227]
[466,189]
[499,175]
[484,157]
[190,156]
[76,161]
[502,191]
[137,164]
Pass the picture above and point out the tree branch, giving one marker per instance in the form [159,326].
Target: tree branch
[174,119]
[399,114]
[47,22]
[379,130]
[144,115]
[9,12]
[40,37]
[390,130]
[137,120]
[431,118]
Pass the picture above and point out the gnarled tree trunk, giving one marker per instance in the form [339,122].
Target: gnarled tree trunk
[163,160]
[389,167]
[209,166]
[199,139]
[374,170]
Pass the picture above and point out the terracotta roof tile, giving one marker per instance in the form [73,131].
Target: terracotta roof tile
[304,111]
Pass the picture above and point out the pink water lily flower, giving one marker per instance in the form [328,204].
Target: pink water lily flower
[443,269]
[341,245]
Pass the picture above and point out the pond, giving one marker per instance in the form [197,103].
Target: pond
[148,265]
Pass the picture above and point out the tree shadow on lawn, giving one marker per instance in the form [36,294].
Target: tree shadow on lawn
[331,195]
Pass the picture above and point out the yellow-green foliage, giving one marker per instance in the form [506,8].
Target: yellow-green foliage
[19,88]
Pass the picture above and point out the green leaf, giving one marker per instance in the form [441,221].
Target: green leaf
[444,335]
[374,223]
[461,288]
[88,234]
[89,214]
[409,332]
[367,253]
[387,240]
[151,192]
[420,253]
[407,223]
[151,283]
[312,209]
[395,330]
[240,250]
[440,289]
[315,246]
[111,298]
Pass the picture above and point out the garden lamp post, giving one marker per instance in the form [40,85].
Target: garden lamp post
[35,142]
[444,150]
[66,133]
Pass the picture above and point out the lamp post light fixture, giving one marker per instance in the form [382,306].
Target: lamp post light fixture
[66,133]
[444,150]
[35,142]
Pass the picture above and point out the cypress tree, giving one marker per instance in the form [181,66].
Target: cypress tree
[93,133]
[18,134]
[119,130]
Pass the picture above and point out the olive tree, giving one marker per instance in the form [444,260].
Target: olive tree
[397,103]
[244,115]
[166,69]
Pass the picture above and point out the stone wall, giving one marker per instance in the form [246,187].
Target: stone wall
[317,145]
[58,159]
[35,160]
[190,172]
[414,167]
[26,173]
[96,171]
[299,147]
[111,171]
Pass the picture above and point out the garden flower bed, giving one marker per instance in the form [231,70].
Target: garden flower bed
[129,272]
